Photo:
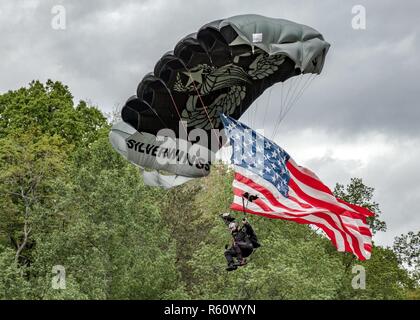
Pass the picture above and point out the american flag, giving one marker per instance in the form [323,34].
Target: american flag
[285,190]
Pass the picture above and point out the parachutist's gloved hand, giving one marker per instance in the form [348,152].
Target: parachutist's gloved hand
[226,246]
[225,215]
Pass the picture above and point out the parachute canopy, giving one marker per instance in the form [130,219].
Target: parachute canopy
[222,68]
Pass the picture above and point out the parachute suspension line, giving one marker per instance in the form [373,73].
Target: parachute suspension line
[180,119]
[282,89]
[303,89]
[249,116]
[204,106]
[282,99]
[299,88]
[281,96]
[267,106]
[291,86]
[289,89]
[176,107]
[289,98]
[156,114]
[244,206]
[300,92]
[199,96]
[293,102]
[296,87]
[207,114]
[254,114]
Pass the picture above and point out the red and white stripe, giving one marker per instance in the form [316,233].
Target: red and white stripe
[309,202]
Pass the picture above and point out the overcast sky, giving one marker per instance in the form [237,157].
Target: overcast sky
[359,118]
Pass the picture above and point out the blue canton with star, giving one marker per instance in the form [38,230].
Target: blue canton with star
[252,151]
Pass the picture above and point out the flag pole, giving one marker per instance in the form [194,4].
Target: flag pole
[245,195]
[243,204]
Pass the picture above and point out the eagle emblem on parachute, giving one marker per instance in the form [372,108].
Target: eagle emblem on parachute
[226,87]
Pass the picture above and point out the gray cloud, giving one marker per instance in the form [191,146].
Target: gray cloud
[369,85]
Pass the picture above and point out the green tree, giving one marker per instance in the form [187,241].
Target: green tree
[407,249]
[13,283]
[385,278]
[114,244]
[356,192]
[49,109]
[31,171]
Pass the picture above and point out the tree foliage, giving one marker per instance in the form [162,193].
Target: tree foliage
[49,109]
[356,192]
[407,250]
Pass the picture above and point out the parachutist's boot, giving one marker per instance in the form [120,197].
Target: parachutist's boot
[231,267]
[242,262]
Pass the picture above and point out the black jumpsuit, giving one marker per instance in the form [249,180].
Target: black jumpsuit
[242,246]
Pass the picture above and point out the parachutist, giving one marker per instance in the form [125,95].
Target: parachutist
[244,242]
